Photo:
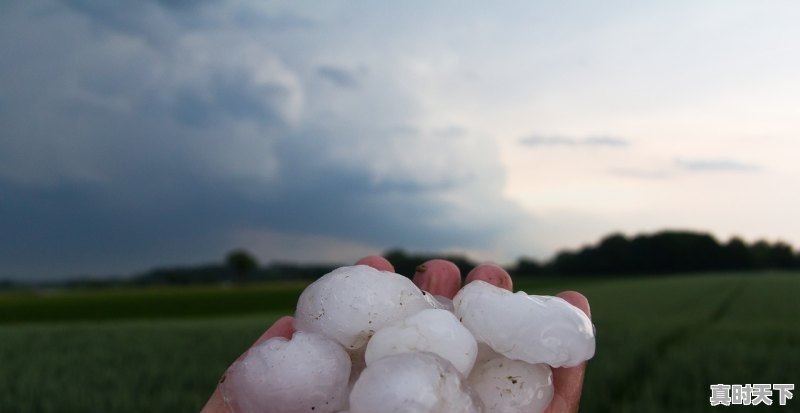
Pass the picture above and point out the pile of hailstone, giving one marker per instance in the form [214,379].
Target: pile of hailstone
[370,341]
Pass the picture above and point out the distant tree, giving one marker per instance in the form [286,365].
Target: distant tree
[736,255]
[406,264]
[526,267]
[199,274]
[612,255]
[662,252]
[675,251]
[781,256]
[401,261]
[568,263]
[242,263]
[759,253]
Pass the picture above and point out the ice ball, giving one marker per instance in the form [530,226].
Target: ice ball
[350,304]
[485,353]
[440,302]
[534,329]
[308,373]
[412,383]
[512,386]
[436,331]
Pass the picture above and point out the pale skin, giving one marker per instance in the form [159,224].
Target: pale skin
[441,277]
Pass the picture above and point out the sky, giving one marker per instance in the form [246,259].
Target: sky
[136,134]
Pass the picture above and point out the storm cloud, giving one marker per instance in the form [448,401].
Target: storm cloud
[140,134]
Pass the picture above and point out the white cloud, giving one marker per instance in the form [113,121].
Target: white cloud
[589,141]
[715,165]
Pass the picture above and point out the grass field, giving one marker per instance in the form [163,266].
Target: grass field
[661,342]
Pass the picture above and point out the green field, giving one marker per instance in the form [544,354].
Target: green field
[661,342]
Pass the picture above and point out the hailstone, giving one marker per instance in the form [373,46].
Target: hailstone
[412,383]
[358,364]
[512,386]
[350,304]
[485,353]
[434,330]
[439,301]
[534,329]
[304,374]
[370,341]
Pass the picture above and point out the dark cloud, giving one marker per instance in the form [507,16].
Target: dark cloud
[150,20]
[339,76]
[165,213]
[181,4]
[231,94]
[160,20]
[342,197]
[279,21]
[566,141]
[715,165]
[117,155]
[83,229]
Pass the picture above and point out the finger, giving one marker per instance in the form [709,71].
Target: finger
[492,274]
[284,327]
[438,277]
[577,299]
[568,381]
[216,404]
[379,263]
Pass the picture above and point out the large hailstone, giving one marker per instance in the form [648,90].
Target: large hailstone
[435,330]
[307,373]
[412,383]
[534,329]
[439,301]
[350,304]
[512,386]
[485,353]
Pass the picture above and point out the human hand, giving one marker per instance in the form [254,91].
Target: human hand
[442,277]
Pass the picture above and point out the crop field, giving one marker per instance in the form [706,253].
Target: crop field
[661,342]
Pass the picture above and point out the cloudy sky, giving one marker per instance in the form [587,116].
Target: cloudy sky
[143,133]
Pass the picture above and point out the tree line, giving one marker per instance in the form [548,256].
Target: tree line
[665,252]
[662,252]
[616,254]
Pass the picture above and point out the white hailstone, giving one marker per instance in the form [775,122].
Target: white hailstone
[307,373]
[485,353]
[439,301]
[350,304]
[436,331]
[412,383]
[512,386]
[358,364]
[534,329]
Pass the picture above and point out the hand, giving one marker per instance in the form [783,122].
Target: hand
[441,277]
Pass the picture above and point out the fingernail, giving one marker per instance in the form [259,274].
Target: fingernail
[492,274]
[421,278]
[379,263]
[438,277]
